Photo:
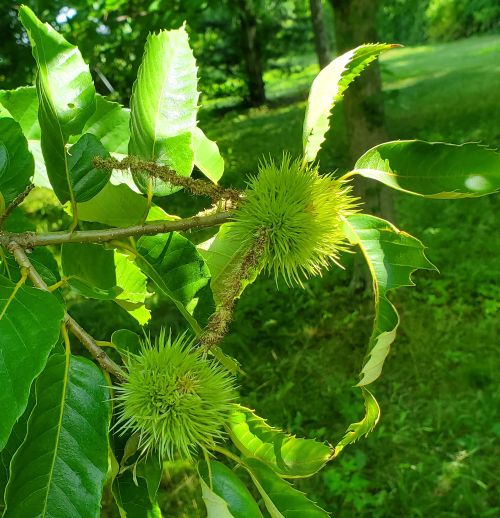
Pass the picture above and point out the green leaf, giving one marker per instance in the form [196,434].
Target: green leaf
[110,124]
[44,263]
[179,272]
[66,95]
[207,157]
[15,440]
[16,162]
[281,499]
[115,205]
[356,430]
[223,253]
[216,506]
[164,107]
[433,169]
[218,479]
[283,453]
[134,285]
[22,104]
[30,322]
[392,256]
[126,341]
[151,470]
[86,181]
[61,466]
[328,89]
[133,500]
[91,269]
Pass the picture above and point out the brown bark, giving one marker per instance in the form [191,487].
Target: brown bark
[321,42]
[355,24]
[252,53]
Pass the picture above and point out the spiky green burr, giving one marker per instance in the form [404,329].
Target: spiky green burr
[173,398]
[300,213]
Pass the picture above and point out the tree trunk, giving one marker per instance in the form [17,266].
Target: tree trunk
[252,53]
[355,24]
[320,35]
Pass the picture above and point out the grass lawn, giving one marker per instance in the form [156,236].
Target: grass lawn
[435,450]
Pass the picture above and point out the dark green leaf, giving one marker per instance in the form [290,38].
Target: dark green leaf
[86,181]
[66,95]
[284,453]
[91,269]
[172,262]
[281,499]
[151,470]
[392,256]
[60,468]
[16,162]
[328,89]
[164,106]
[363,427]
[222,481]
[133,500]
[30,322]
[22,104]
[126,341]
[433,169]
[15,440]
[216,506]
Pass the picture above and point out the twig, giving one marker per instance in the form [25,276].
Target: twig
[32,239]
[89,343]
[161,172]
[220,320]
[15,203]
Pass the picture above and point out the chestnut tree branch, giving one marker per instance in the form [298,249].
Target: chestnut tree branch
[88,342]
[32,239]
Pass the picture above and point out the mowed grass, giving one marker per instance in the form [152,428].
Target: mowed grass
[435,451]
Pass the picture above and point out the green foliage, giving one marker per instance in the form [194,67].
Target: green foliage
[66,97]
[60,467]
[85,180]
[172,401]
[16,162]
[392,256]
[281,498]
[23,355]
[224,493]
[179,272]
[436,20]
[328,89]
[285,454]
[163,106]
[468,170]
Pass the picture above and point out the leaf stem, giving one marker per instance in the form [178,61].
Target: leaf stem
[227,453]
[88,342]
[15,203]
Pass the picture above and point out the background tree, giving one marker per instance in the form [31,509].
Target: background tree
[364,104]
[321,42]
